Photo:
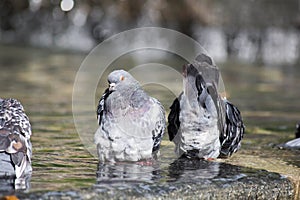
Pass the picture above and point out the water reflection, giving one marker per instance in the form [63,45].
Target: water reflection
[127,172]
[132,181]
[185,169]
[181,170]
[187,178]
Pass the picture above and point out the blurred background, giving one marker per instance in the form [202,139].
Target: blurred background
[265,30]
[255,43]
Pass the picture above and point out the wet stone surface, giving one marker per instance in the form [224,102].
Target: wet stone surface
[192,179]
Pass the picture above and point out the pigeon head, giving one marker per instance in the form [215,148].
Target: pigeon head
[121,80]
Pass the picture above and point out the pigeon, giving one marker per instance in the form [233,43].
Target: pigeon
[202,123]
[295,143]
[131,123]
[15,145]
[297,133]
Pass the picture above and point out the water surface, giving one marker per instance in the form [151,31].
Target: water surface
[42,80]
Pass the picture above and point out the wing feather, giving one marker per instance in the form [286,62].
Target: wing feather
[173,118]
[233,130]
[158,132]
[15,131]
[101,105]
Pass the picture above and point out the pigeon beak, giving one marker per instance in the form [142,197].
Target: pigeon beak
[112,86]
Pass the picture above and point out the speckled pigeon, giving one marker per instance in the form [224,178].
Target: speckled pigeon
[15,145]
[131,123]
[202,123]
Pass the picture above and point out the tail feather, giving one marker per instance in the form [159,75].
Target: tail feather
[21,167]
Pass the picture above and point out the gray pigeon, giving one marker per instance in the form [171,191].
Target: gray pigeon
[131,123]
[15,145]
[202,123]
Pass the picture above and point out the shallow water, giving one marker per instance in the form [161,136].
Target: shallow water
[42,80]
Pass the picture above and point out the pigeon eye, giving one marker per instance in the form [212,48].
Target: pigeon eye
[122,78]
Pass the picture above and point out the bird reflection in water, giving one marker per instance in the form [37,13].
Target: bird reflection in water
[184,170]
[200,170]
[193,169]
[127,172]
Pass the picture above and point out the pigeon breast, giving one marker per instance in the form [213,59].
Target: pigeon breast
[131,126]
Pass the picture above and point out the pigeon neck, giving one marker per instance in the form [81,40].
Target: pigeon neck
[125,92]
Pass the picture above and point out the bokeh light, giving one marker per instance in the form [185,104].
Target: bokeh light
[66,5]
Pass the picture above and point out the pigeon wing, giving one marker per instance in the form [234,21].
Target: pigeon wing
[15,131]
[219,105]
[101,105]
[158,132]
[173,118]
[233,130]
[4,140]
[149,118]
[13,117]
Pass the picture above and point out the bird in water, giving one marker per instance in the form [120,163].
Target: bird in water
[297,133]
[295,143]
[131,123]
[202,123]
[15,145]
